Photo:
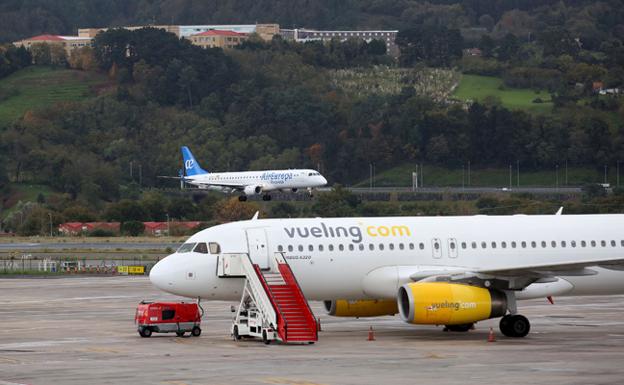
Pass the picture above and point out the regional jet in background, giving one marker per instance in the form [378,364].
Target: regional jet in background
[249,182]
[452,271]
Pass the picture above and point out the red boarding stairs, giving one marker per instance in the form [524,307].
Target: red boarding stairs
[295,320]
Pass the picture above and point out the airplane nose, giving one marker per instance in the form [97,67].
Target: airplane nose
[158,275]
[323,180]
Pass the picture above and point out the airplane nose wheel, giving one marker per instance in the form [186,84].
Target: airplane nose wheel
[515,325]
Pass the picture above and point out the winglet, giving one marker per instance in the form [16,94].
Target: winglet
[560,211]
[255,216]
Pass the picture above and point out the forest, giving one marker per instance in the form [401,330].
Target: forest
[280,104]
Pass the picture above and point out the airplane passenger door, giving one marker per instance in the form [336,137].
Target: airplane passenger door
[436,248]
[452,248]
[258,247]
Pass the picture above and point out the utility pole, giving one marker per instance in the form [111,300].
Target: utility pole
[140,175]
[168,228]
[463,176]
[469,184]
[618,174]
[370,176]
[566,173]
[510,176]
[557,177]
[605,174]
[131,169]
[518,171]
[50,215]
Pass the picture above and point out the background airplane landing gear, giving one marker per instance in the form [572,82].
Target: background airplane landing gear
[242,198]
[310,193]
[515,325]
[266,197]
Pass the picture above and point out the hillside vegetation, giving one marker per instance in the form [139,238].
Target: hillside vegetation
[488,89]
[36,87]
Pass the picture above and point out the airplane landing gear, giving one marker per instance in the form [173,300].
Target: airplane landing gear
[515,325]
[242,198]
[310,192]
[266,197]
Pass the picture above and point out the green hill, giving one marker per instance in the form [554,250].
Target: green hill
[478,88]
[35,87]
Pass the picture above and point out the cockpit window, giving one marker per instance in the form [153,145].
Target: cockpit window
[201,248]
[214,248]
[185,248]
[313,174]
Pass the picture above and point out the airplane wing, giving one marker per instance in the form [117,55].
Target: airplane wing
[520,276]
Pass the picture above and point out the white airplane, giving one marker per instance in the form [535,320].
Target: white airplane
[452,271]
[249,182]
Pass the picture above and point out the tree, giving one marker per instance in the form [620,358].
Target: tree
[229,210]
[132,228]
[435,45]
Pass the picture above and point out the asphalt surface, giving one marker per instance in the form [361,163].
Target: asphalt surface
[81,331]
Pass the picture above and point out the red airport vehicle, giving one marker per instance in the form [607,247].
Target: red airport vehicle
[168,317]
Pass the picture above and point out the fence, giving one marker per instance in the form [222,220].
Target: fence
[29,265]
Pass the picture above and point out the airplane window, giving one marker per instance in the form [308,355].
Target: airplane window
[504,245]
[381,246]
[483,245]
[543,243]
[464,245]
[513,244]
[622,243]
[280,248]
[421,246]
[290,248]
[341,247]
[361,246]
[411,246]
[593,243]
[603,243]
[493,245]
[331,247]
[311,248]
[523,244]
[573,243]
[201,248]
[300,247]
[452,244]
[371,247]
[613,243]
[436,245]
[391,246]
[351,247]
[320,247]
[185,248]
[563,243]
[401,246]
[553,244]
[533,244]
[583,243]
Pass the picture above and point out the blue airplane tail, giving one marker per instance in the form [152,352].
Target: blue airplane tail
[191,167]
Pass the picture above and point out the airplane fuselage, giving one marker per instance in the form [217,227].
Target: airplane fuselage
[370,258]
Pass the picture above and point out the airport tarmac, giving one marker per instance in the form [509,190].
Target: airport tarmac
[81,331]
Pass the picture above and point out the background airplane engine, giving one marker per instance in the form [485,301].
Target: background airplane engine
[441,303]
[252,190]
[361,308]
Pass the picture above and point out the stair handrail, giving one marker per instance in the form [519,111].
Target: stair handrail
[280,319]
[281,261]
[263,301]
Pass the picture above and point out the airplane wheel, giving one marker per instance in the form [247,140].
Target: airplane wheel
[516,326]
[266,197]
[242,198]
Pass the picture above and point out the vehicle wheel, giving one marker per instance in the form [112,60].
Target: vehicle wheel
[180,334]
[242,198]
[235,333]
[145,332]
[265,339]
[459,328]
[516,326]
[196,331]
